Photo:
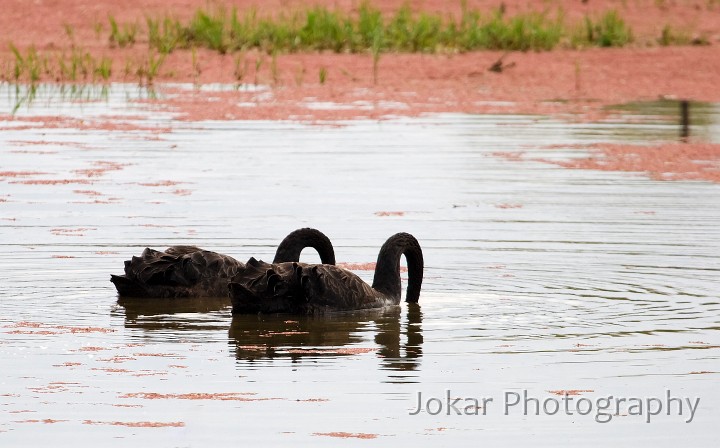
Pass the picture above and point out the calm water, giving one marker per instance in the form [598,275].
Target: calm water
[538,279]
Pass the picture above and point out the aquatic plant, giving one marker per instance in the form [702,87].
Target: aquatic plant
[149,68]
[369,30]
[241,67]
[103,68]
[671,36]
[610,30]
[28,64]
[124,35]
[164,34]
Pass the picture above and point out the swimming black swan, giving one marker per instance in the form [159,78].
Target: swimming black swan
[311,288]
[188,271]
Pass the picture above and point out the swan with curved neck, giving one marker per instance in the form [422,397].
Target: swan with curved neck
[188,271]
[310,288]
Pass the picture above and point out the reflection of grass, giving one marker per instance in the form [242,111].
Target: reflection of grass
[664,112]
[19,95]
[668,110]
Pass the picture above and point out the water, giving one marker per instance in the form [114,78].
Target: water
[537,279]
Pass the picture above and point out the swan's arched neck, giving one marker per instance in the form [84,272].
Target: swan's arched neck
[290,248]
[387,271]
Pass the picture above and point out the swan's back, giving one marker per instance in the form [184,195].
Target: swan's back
[188,271]
[180,271]
[300,288]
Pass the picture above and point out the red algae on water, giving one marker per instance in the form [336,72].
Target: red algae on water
[161,355]
[46,420]
[92,349]
[221,396]
[370,266]
[101,167]
[52,181]
[27,151]
[118,359]
[570,391]
[667,161]
[71,232]
[145,372]
[138,424]
[161,183]
[331,351]
[39,326]
[45,143]
[88,192]
[252,347]
[39,333]
[55,387]
[68,364]
[347,435]
[21,173]
[111,370]
[282,333]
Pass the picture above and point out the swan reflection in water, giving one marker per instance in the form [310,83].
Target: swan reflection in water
[260,336]
[398,330]
[141,308]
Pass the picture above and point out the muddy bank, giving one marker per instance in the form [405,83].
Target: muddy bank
[321,87]
[346,86]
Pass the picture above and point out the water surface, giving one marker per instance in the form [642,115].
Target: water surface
[537,279]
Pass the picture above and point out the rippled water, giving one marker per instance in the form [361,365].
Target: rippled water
[537,279]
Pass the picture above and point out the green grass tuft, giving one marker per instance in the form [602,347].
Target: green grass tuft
[610,30]
[369,30]
[124,35]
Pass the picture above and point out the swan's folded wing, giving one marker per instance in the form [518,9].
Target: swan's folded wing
[180,271]
[298,288]
[267,288]
[331,287]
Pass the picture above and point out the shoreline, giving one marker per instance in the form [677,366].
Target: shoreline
[574,85]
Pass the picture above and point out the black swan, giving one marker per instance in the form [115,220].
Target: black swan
[188,271]
[302,288]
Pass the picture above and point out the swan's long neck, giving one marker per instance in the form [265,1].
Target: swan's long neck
[290,248]
[387,271]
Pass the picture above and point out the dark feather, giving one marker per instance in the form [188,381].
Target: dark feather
[316,288]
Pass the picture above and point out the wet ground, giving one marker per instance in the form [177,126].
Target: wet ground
[558,284]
